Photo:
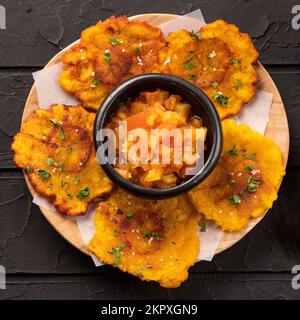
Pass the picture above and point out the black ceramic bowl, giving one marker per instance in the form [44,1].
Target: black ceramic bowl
[201,106]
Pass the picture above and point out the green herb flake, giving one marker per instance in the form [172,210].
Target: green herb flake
[62,167]
[51,162]
[192,77]
[116,233]
[95,83]
[55,122]
[249,168]
[235,61]
[107,57]
[233,151]
[252,184]
[137,50]
[249,156]
[159,238]
[191,51]
[45,175]
[70,196]
[149,234]
[63,183]
[235,199]
[189,64]
[83,193]
[69,150]
[215,84]
[202,225]
[62,133]
[130,216]
[193,35]
[239,84]
[221,99]
[115,42]
[117,253]
[43,135]
[77,180]
[200,36]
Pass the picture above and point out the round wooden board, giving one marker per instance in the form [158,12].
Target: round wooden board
[277,130]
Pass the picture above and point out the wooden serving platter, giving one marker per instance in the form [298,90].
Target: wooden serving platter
[277,130]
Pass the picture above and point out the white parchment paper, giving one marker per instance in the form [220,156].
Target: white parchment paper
[255,114]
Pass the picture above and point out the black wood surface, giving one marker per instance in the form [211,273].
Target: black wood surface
[39,263]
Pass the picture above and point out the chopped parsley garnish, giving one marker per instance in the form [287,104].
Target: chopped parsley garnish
[62,167]
[149,234]
[193,35]
[215,84]
[149,266]
[70,196]
[77,180]
[116,233]
[117,254]
[233,151]
[199,36]
[235,61]
[235,199]
[54,122]
[189,64]
[137,50]
[107,57]
[45,175]
[95,83]
[63,183]
[202,225]
[192,76]
[221,99]
[159,238]
[249,156]
[130,216]
[69,150]
[51,162]
[62,133]
[58,125]
[238,85]
[115,42]
[191,51]
[249,168]
[83,193]
[43,135]
[252,184]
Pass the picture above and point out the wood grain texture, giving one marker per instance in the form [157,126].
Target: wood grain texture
[277,130]
[38,29]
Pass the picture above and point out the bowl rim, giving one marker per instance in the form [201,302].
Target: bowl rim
[106,110]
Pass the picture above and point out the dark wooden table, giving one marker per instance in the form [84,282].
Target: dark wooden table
[39,263]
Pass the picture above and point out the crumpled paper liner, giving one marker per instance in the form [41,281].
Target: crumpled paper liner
[255,114]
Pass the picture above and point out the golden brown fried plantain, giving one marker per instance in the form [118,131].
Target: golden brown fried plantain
[218,59]
[239,84]
[109,53]
[152,239]
[55,149]
[245,182]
